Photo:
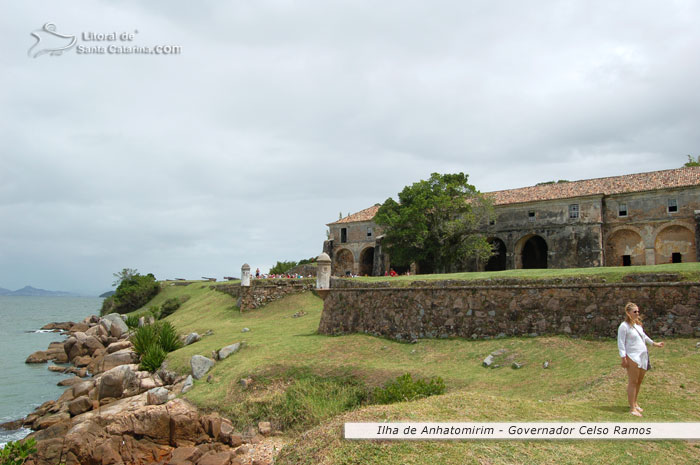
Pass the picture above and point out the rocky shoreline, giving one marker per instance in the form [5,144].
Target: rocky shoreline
[114,413]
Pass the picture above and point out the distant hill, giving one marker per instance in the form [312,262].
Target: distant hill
[107,294]
[29,291]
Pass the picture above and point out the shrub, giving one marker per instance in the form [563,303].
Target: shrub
[405,388]
[133,293]
[132,321]
[155,311]
[167,337]
[170,305]
[153,358]
[16,453]
[144,337]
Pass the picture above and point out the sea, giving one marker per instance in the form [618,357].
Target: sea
[23,387]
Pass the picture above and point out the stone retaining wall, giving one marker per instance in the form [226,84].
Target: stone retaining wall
[263,291]
[440,309]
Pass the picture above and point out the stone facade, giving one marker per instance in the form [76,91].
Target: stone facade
[640,219]
[448,309]
[263,291]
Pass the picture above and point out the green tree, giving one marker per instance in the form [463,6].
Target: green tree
[282,267]
[126,273]
[436,223]
[692,161]
[131,294]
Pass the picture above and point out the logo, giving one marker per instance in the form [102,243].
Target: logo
[51,42]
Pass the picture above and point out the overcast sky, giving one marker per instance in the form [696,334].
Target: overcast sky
[278,115]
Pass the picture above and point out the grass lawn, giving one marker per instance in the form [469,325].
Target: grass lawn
[687,271]
[308,383]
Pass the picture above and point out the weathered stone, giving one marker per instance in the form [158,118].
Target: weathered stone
[82,361]
[80,405]
[117,346]
[192,338]
[120,357]
[189,383]
[113,382]
[228,350]
[40,356]
[83,388]
[200,365]
[116,326]
[69,381]
[265,428]
[157,396]
[215,458]
[488,361]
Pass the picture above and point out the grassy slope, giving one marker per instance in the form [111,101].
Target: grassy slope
[688,271]
[584,383]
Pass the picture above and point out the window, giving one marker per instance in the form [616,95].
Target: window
[369,232]
[343,235]
[672,206]
[676,257]
[531,215]
[573,211]
[626,260]
[622,209]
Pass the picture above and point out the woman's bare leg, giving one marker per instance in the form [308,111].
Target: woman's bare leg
[632,379]
[640,378]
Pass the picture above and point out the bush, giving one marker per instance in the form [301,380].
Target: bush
[153,358]
[155,311]
[16,453]
[167,337]
[404,388]
[132,321]
[133,293]
[144,337]
[170,305]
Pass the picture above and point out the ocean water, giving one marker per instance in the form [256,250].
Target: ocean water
[24,387]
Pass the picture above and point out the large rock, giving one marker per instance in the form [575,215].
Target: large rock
[117,327]
[200,365]
[157,396]
[192,338]
[80,405]
[119,345]
[188,384]
[228,350]
[92,344]
[40,356]
[114,381]
[120,357]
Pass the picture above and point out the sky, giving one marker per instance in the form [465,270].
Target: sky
[276,116]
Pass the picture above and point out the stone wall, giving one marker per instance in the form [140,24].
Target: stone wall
[263,291]
[442,309]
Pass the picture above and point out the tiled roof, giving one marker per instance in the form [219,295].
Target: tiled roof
[640,182]
[363,215]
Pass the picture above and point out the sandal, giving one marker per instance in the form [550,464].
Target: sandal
[635,413]
[639,409]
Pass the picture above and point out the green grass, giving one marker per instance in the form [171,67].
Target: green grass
[687,271]
[304,381]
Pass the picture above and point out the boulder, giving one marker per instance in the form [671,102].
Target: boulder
[92,344]
[70,381]
[80,405]
[120,357]
[117,346]
[157,396]
[189,383]
[82,361]
[215,458]
[265,428]
[192,338]
[184,456]
[488,361]
[79,327]
[228,350]
[82,388]
[114,381]
[116,326]
[200,365]
[142,322]
[40,356]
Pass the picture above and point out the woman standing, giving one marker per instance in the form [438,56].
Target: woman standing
[631,342]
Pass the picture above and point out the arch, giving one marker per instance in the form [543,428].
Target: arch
[624,246]
[343,263]
[675,243]
[367,261]
[531,252]
[497,262]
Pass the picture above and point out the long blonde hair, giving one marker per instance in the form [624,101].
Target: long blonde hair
[629,317]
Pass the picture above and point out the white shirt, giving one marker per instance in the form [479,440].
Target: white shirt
[630,342]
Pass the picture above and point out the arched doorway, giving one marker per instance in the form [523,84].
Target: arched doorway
[533,252]
[497,262]
[367,261]
[344,263]
[675,244]
[624,247]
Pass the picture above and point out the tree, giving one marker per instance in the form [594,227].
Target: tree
[436,224]
[281,267]
[126,273]
[132,293]
[692,161]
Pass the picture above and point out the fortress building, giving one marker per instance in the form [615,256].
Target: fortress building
[634,219]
